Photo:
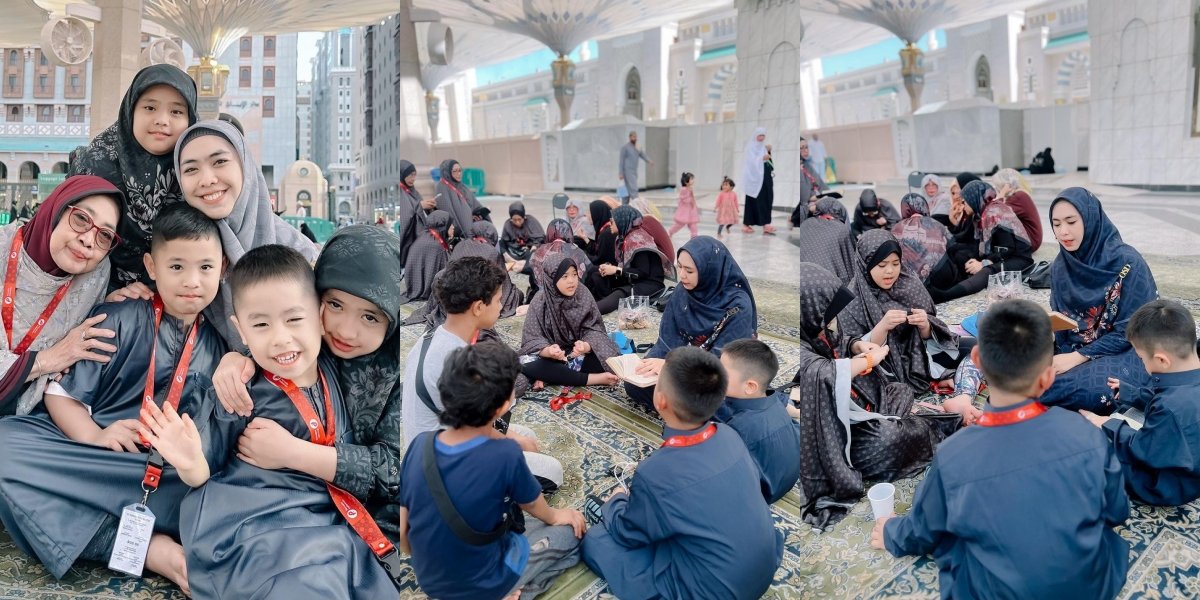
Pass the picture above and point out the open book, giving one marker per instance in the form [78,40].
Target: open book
[1061,322]
[625,367]
[1133,417]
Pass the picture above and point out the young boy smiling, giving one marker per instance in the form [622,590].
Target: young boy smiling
[256,529]
[67,477]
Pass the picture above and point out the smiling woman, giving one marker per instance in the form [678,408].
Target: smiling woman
[220,178]
[56,271]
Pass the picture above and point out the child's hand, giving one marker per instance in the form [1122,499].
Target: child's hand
[134,291]
[572,517]
[176,439]
[892,319]
[920,319]
[267,445]
[121,436]
[553,352]
[1115,385]
[229,381]
[877,532]
[581,348]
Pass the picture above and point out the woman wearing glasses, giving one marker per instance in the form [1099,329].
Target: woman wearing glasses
[55,269]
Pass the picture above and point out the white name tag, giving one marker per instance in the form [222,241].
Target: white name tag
[133,539]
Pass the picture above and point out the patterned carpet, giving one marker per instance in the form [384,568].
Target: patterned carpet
[589,437]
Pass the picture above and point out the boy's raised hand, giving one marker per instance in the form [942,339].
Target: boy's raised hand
[177,440]
[229,381]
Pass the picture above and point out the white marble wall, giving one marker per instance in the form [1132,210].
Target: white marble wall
[589,154]
[997,40]
[1064,128]
[966,135]
[1142,77]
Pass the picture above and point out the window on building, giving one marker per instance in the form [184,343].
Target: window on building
[14,114]
[269,46]
[45,113]
[75,83]
[269,77]
[244,77]
[344,50]
[11,85]
[43,81]
[14,58]
[42,59]
[245,47]
[268,105]
[75,114]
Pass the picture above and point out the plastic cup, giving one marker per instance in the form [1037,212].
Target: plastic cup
[883,499]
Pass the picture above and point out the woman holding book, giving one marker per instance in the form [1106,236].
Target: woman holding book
[1099,281]
[712,306]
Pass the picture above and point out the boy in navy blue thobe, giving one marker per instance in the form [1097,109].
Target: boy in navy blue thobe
[1162,459]
[761,419]
[694,523]
[67,475]
[1023,505]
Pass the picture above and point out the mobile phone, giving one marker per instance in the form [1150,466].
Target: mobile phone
[593,510]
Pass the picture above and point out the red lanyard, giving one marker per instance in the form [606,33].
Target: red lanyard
[351,509]
[683,441]
[10,295]
[1008,417]
[154,464]
[437,236]
[460,195]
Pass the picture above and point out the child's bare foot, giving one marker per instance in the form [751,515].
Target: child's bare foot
[603,379]
[747,229]
[165,557]
[516,595]
[539,386]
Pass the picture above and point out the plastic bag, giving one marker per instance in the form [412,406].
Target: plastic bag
[1004,285]
[634,313]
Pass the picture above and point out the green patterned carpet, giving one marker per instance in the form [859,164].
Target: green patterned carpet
[590,436]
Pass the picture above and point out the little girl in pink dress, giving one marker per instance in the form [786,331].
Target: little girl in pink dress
[686,213]
[727,207]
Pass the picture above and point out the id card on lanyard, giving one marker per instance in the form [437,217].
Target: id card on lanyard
[137,520]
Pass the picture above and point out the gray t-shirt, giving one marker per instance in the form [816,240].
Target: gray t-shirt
[417,417]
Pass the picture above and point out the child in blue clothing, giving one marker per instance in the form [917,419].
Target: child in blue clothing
[693,523]
[1023,504]
[1162,459]
[479,475]
[761,419]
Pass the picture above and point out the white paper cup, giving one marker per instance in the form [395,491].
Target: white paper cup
[883,499]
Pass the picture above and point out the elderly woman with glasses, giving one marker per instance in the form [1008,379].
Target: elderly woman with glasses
[55,270]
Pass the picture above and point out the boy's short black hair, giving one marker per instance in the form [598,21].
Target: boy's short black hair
[476,381]
[754,359]
[466,280]
[271,263]
[182,221]
[1016,344]
[1163,325]
[694,383]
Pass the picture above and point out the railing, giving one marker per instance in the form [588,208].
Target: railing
[45,129]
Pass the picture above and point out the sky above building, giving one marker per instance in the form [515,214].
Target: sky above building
[306,51]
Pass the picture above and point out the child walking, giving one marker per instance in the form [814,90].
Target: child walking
[727,208]
[686,214]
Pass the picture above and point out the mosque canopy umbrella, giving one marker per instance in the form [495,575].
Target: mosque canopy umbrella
[562,25]
[23,20]
[911,19]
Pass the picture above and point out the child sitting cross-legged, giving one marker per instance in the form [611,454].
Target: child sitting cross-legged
[66,477]
[1023,504]
[761,419]
[1162,459]
[458,487]
[694,523]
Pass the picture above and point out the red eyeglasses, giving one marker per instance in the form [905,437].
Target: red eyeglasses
[81,222]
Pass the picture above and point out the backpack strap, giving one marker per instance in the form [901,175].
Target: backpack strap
[441,499]
[422,391]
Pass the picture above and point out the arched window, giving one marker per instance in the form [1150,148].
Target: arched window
[14,58]
[983,78]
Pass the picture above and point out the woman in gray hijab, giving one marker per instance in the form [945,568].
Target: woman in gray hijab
[456,198]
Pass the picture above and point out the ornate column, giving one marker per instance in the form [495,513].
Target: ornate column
[118,39]
[912,71]
[564,87]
